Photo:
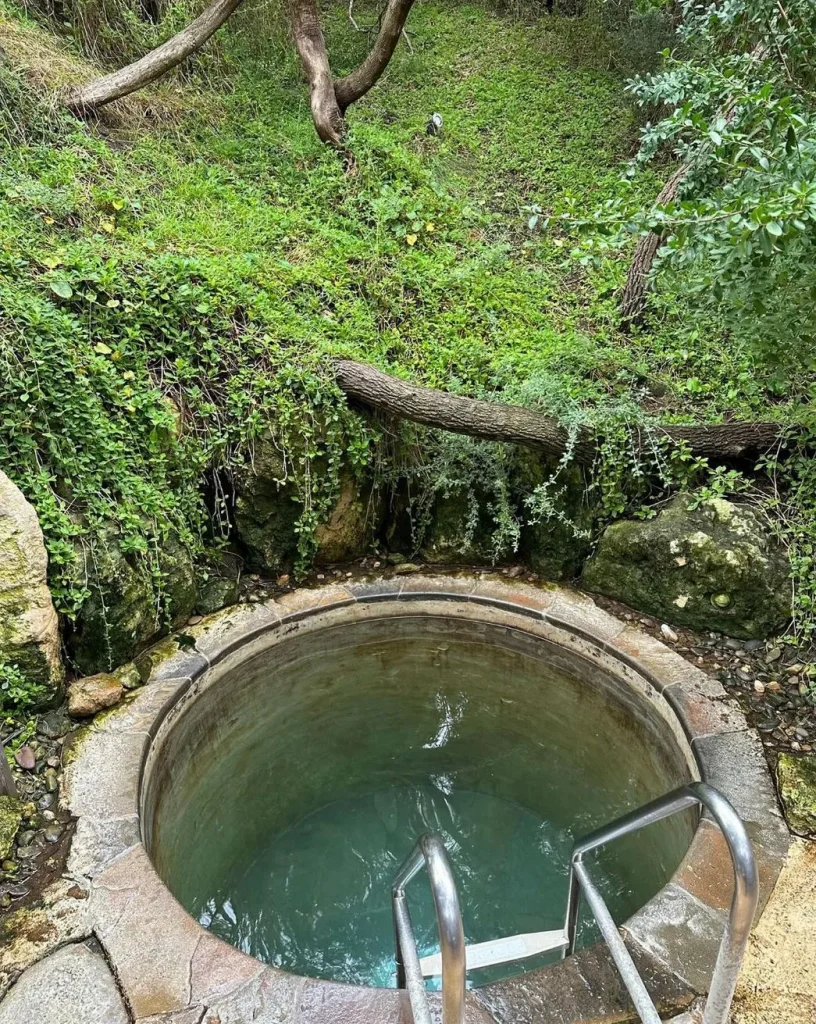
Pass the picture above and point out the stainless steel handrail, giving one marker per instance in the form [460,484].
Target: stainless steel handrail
[430,853]
[743,902]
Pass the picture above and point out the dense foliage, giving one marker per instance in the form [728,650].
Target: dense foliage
[174,285]
[736,104]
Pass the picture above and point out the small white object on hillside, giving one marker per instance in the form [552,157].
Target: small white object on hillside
[435,125]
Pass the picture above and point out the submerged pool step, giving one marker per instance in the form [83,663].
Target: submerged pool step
[501,951]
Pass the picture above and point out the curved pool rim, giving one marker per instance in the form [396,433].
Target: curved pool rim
[171,969]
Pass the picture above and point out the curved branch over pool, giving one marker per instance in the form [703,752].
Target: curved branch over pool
[514,424]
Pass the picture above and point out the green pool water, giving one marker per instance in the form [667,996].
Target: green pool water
[290,792]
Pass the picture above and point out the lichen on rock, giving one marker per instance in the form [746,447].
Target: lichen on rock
[29,628]
[127,607]
[713,567]
[797,787]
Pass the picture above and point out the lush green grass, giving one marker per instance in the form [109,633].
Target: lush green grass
[220,258]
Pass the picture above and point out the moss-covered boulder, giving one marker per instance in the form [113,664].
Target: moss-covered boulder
[714,567]
[218,583]
[797,787]
[459,530]
[350,529]
[558,516]
[29,629]
[266,511]
[127,607]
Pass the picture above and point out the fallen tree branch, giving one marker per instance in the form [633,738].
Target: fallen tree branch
[514,424]
[84,98]
[349,89]
[311,45]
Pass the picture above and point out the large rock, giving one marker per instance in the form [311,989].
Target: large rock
[797,787]
[554,538]
[713,568]
[124,611]
[218,583]
[557,533]
[267,511]
[72,986]
[460,530]
[29,629]
[349,530]
[92,694]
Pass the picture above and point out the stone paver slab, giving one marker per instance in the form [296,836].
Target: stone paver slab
[778,980]
[72,986]
[62,915]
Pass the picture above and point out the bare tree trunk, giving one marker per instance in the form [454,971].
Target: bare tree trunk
[633,300]
[516,425]
[153,65]
[311,46]
[349,89]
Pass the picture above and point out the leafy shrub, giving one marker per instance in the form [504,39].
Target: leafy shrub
[16,693]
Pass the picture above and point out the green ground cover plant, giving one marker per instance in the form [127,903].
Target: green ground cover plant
[173,286]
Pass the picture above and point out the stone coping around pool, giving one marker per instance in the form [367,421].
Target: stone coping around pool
[170,969]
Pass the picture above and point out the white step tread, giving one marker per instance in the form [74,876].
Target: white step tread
[500,951]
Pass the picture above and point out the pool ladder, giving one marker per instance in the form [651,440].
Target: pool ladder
[455,958]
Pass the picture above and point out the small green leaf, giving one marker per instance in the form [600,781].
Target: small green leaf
[765,243]
[62,288]
[102,348]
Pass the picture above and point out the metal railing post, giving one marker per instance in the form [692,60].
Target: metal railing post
[743,902]
[430,853]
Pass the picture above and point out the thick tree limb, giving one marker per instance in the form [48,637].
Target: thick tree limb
[633,299]
[311,46]
[516,425]
[153,65]
[349,89]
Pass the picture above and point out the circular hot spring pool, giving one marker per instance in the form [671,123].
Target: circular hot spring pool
[289,791]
